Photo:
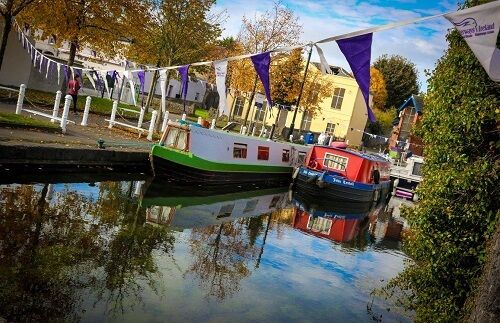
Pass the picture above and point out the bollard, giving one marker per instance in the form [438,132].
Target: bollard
[86,111]
[212,126]
[56,106]
[20,99]
[183,117]
[291,138]
[138,187]
[113,114]
[141,117]
[64,119]
[244,131]
[253,130]
[50,192]
[200,121]
[152,125]
[165,121]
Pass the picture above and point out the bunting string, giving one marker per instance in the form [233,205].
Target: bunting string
[386,139]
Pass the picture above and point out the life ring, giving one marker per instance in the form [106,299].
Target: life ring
[313,164]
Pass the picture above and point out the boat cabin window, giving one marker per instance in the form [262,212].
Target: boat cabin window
[263,153]
[225,211]
[335,162]
[250,206]
[177,138]
[301,158]
[239,151]
[319,224]
[286,155]
[417,169]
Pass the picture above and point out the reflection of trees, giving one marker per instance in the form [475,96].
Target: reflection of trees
[50,252]
[221,257]
[44,252]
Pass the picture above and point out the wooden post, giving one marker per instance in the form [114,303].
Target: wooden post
[113,114]
[56,106]
[20,99]
[152,125]
[86,111]
[64,119]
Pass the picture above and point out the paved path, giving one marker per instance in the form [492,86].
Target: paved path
[76,135]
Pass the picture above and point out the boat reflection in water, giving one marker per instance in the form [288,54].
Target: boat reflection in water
[343,221]
[185,209]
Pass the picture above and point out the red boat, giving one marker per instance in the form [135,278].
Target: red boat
[341,173]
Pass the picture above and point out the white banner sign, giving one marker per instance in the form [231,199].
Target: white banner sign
[163,83]
[220,81]
[479,27]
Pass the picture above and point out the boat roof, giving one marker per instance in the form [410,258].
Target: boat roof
[369,156]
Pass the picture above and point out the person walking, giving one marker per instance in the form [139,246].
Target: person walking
[73,88]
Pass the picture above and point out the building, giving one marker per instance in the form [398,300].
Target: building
[343,110]
[409,114]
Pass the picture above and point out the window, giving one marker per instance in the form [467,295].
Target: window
[263,153]
[250,206]
[338,97]
[301,158]
[335,162]
[319,224]
[197,96]
[225,211]
[177,138]
[239,151]
[181,140]
[171,136]
[285,157]
[238,106]
[306,121]
[330,128]
[260,112]
[417,169]
[274,201]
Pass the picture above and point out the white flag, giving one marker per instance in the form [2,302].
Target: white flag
[163,83]
[58,73]
[324,66]
[130,78]
[479,27]
[220,80]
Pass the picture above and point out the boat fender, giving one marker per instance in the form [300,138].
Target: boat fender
[376,176]
[295,173]
[320,182]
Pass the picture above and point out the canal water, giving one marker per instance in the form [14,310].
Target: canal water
[134,251]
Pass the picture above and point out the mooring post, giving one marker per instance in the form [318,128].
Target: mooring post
[86,111]
[165,121]
[212,126]
[113,114]
[64,119]
[20,99]
[183,117]
[141,117]
[152,125]
[56,106]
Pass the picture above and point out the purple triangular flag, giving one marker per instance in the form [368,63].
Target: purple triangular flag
[142,80]
[357,51]
[183,71]
[261,63]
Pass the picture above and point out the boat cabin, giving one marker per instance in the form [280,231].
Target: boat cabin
[356,166]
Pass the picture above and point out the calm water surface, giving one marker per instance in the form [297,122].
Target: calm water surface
[116,251]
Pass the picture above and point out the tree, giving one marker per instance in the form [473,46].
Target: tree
[274,28]
[378,89]
[103,25]
[9,10]
[458,207]
[177,32]
[400,77]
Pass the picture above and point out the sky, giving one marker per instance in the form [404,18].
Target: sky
[421,43]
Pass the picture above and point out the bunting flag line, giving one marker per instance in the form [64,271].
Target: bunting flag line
[357,51]
[261,63]
[163,84]
[220,80]
[479,28]
[324,66]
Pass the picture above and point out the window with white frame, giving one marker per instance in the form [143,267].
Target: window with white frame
[319,224]
[238,106]
[306,121]
[335,162]
[338,97]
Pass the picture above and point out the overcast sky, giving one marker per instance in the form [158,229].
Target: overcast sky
[422,43]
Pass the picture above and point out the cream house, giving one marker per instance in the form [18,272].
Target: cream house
[343,110]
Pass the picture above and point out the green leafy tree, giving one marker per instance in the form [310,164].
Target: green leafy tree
[400,77]
[458,208]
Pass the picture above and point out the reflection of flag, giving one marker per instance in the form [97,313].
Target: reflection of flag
[357,51]
[479,27]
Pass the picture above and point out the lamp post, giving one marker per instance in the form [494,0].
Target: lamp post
[292,125]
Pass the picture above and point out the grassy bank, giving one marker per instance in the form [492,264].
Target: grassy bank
[19,121]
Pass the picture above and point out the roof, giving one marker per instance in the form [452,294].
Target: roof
[413,101]
[337,70]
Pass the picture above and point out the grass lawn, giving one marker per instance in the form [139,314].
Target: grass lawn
[16,120]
